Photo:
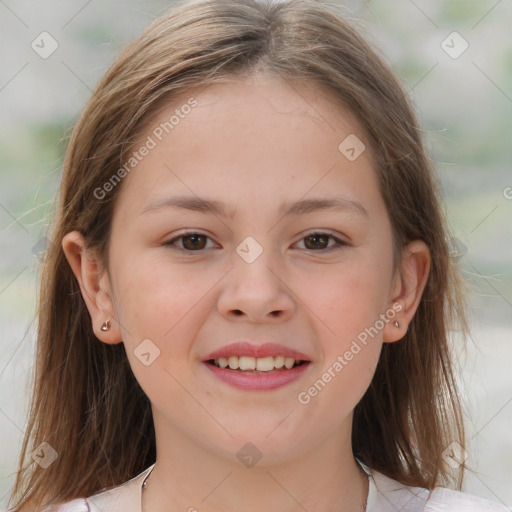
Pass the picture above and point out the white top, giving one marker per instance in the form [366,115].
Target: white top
[384,495]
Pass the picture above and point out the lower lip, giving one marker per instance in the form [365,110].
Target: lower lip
[258,381]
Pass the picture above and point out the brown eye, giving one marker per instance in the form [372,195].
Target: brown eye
[189,242]
[320,241]
[194,242]
[317,241]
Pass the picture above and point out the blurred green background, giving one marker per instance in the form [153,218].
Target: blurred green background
[465,105]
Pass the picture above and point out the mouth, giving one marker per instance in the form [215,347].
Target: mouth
[247,366]
[257,365]
[250,373]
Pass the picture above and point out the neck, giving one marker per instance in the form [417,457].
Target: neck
[189,477]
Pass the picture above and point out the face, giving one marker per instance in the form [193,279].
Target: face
[295,249]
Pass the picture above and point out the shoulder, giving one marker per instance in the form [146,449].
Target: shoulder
[447,500]
[78,505]
[386,495]
[123,498]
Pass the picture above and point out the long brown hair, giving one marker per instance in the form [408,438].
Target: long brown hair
[86,401]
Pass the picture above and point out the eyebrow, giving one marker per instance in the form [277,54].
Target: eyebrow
[301,207]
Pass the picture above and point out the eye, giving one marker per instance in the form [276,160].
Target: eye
[320,242]
[194,242]
[190,241]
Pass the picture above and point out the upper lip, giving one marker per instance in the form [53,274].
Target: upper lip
[242,348]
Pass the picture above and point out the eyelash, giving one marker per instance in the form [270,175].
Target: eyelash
[339,243]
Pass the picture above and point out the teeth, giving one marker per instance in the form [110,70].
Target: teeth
[264,364]
[247,363]
[261,364]
[279,361]
[288,363]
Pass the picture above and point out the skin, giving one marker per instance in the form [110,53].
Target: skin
[252,143]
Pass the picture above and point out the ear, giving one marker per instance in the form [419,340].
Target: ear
[95,286]
[407,288]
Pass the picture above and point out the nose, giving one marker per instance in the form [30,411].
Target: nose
[257,291]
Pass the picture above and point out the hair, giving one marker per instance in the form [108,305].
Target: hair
[86,402]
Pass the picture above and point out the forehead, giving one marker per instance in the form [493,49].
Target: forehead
[248,137]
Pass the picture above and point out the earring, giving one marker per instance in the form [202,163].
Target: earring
[397,324]
[106,326]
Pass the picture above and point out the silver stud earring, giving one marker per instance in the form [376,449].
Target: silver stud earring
[397,324]
[106,326]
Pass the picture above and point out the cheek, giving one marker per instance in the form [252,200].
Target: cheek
[160,313]
[153,299]
[350,297]
[349,303]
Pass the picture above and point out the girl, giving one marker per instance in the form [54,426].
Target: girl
[247,301]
